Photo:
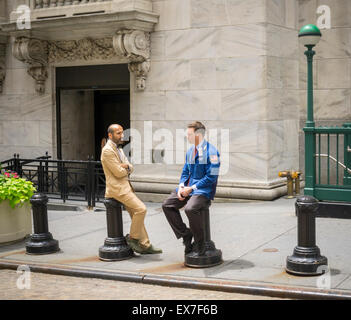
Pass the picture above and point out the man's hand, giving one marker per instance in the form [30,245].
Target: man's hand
[180,190]
[186,191]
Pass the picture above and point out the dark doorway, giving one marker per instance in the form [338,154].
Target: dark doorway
[88,100]
[110,106]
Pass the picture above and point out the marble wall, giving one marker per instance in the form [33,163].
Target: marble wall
[26,118]
[282,85]
[232,65]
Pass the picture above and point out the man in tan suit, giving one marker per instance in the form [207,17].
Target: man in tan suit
[117,170]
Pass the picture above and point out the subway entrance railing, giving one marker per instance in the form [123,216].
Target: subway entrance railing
[62,179]
[332,163]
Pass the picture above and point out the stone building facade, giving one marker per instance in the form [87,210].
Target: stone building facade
[235,65]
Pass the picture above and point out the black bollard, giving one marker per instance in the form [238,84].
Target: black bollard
[306,258]
[115,246]
[211,256]
[41,241]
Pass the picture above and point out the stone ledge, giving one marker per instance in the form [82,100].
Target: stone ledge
[153,192]
[271,184]
[71,28]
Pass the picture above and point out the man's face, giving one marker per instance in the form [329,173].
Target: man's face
[193,138]
[117,135]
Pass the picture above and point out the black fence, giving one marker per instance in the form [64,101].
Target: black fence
[62,179]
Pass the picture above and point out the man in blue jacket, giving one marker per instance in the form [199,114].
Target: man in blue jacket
[196,189]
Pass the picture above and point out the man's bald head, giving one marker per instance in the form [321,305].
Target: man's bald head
[115,133]
[113,127]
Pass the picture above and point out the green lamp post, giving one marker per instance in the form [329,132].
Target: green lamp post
[306,258]
[309,36]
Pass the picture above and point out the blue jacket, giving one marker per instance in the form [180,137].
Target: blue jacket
[203,172]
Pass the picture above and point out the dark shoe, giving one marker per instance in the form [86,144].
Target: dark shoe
[151,250]
[199,249]
[134,244]
[137,247]
[189,248]
[187,242]
[131,241]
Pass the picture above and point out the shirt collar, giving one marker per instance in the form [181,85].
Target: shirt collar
[113,143]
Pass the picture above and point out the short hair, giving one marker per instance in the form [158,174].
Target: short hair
[197,126]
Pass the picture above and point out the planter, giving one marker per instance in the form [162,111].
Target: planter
[15,224]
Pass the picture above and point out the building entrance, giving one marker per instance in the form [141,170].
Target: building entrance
[88,100]
[110,106]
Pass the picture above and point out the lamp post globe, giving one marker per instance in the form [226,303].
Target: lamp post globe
[309,35]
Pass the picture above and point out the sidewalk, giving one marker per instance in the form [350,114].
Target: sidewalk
[255,238]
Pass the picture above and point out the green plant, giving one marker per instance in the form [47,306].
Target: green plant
[15,189]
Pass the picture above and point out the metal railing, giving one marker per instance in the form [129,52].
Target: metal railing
[62,179]
[335,160]
[332,165]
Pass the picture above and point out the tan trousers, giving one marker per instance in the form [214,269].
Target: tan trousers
[137,211]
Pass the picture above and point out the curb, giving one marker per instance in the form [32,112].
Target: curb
[243,287]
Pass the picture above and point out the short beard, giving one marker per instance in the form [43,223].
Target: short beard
[116,142]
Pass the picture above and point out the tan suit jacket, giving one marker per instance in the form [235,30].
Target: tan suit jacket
[117,178]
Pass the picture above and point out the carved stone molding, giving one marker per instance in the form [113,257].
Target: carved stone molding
[34,53]
[135,46]
[39,74]
[84,49]
[141,70]
[59,25]
[132,45]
